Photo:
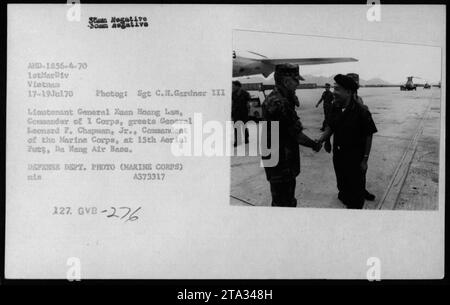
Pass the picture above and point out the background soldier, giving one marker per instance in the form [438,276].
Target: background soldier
[352,126]
[327,99]
[239,108]
[280,106]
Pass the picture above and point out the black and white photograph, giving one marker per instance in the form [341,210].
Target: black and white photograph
[224,142]
[359,122]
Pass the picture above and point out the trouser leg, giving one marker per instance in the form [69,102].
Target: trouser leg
[339,171]
[364,183]
[356,183]
[245,130]
[235,134]
[326,113]
[353,185]
[283,193]
[238,134]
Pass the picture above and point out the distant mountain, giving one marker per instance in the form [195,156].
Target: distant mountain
[319,80]
[373,81]
[322,80]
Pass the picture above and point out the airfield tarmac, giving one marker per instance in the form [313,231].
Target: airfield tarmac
[403,170]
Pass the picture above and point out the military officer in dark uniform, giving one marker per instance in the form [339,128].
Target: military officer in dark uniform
[367,195]
[280,106]
[352,125]
[239,108]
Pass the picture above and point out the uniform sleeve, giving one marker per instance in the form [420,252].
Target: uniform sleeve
[233,108]
[292,121]
[368,127]
[271,109]
[275,109]
[333,117]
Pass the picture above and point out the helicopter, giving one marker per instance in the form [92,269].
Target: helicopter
[409,84]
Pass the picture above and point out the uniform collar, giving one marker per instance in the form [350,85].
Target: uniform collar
[351,105]
[284,92]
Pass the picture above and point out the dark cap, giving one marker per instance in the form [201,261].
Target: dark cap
[346,82]
[288,69]
[354,76]
[237,83]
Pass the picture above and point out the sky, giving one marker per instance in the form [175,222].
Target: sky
[392,62]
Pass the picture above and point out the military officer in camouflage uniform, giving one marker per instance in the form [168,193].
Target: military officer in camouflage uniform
[280,106]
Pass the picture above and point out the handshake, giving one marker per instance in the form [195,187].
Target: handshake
[318,145]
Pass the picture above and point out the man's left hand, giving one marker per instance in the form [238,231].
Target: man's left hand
[364,166]
[317,146]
